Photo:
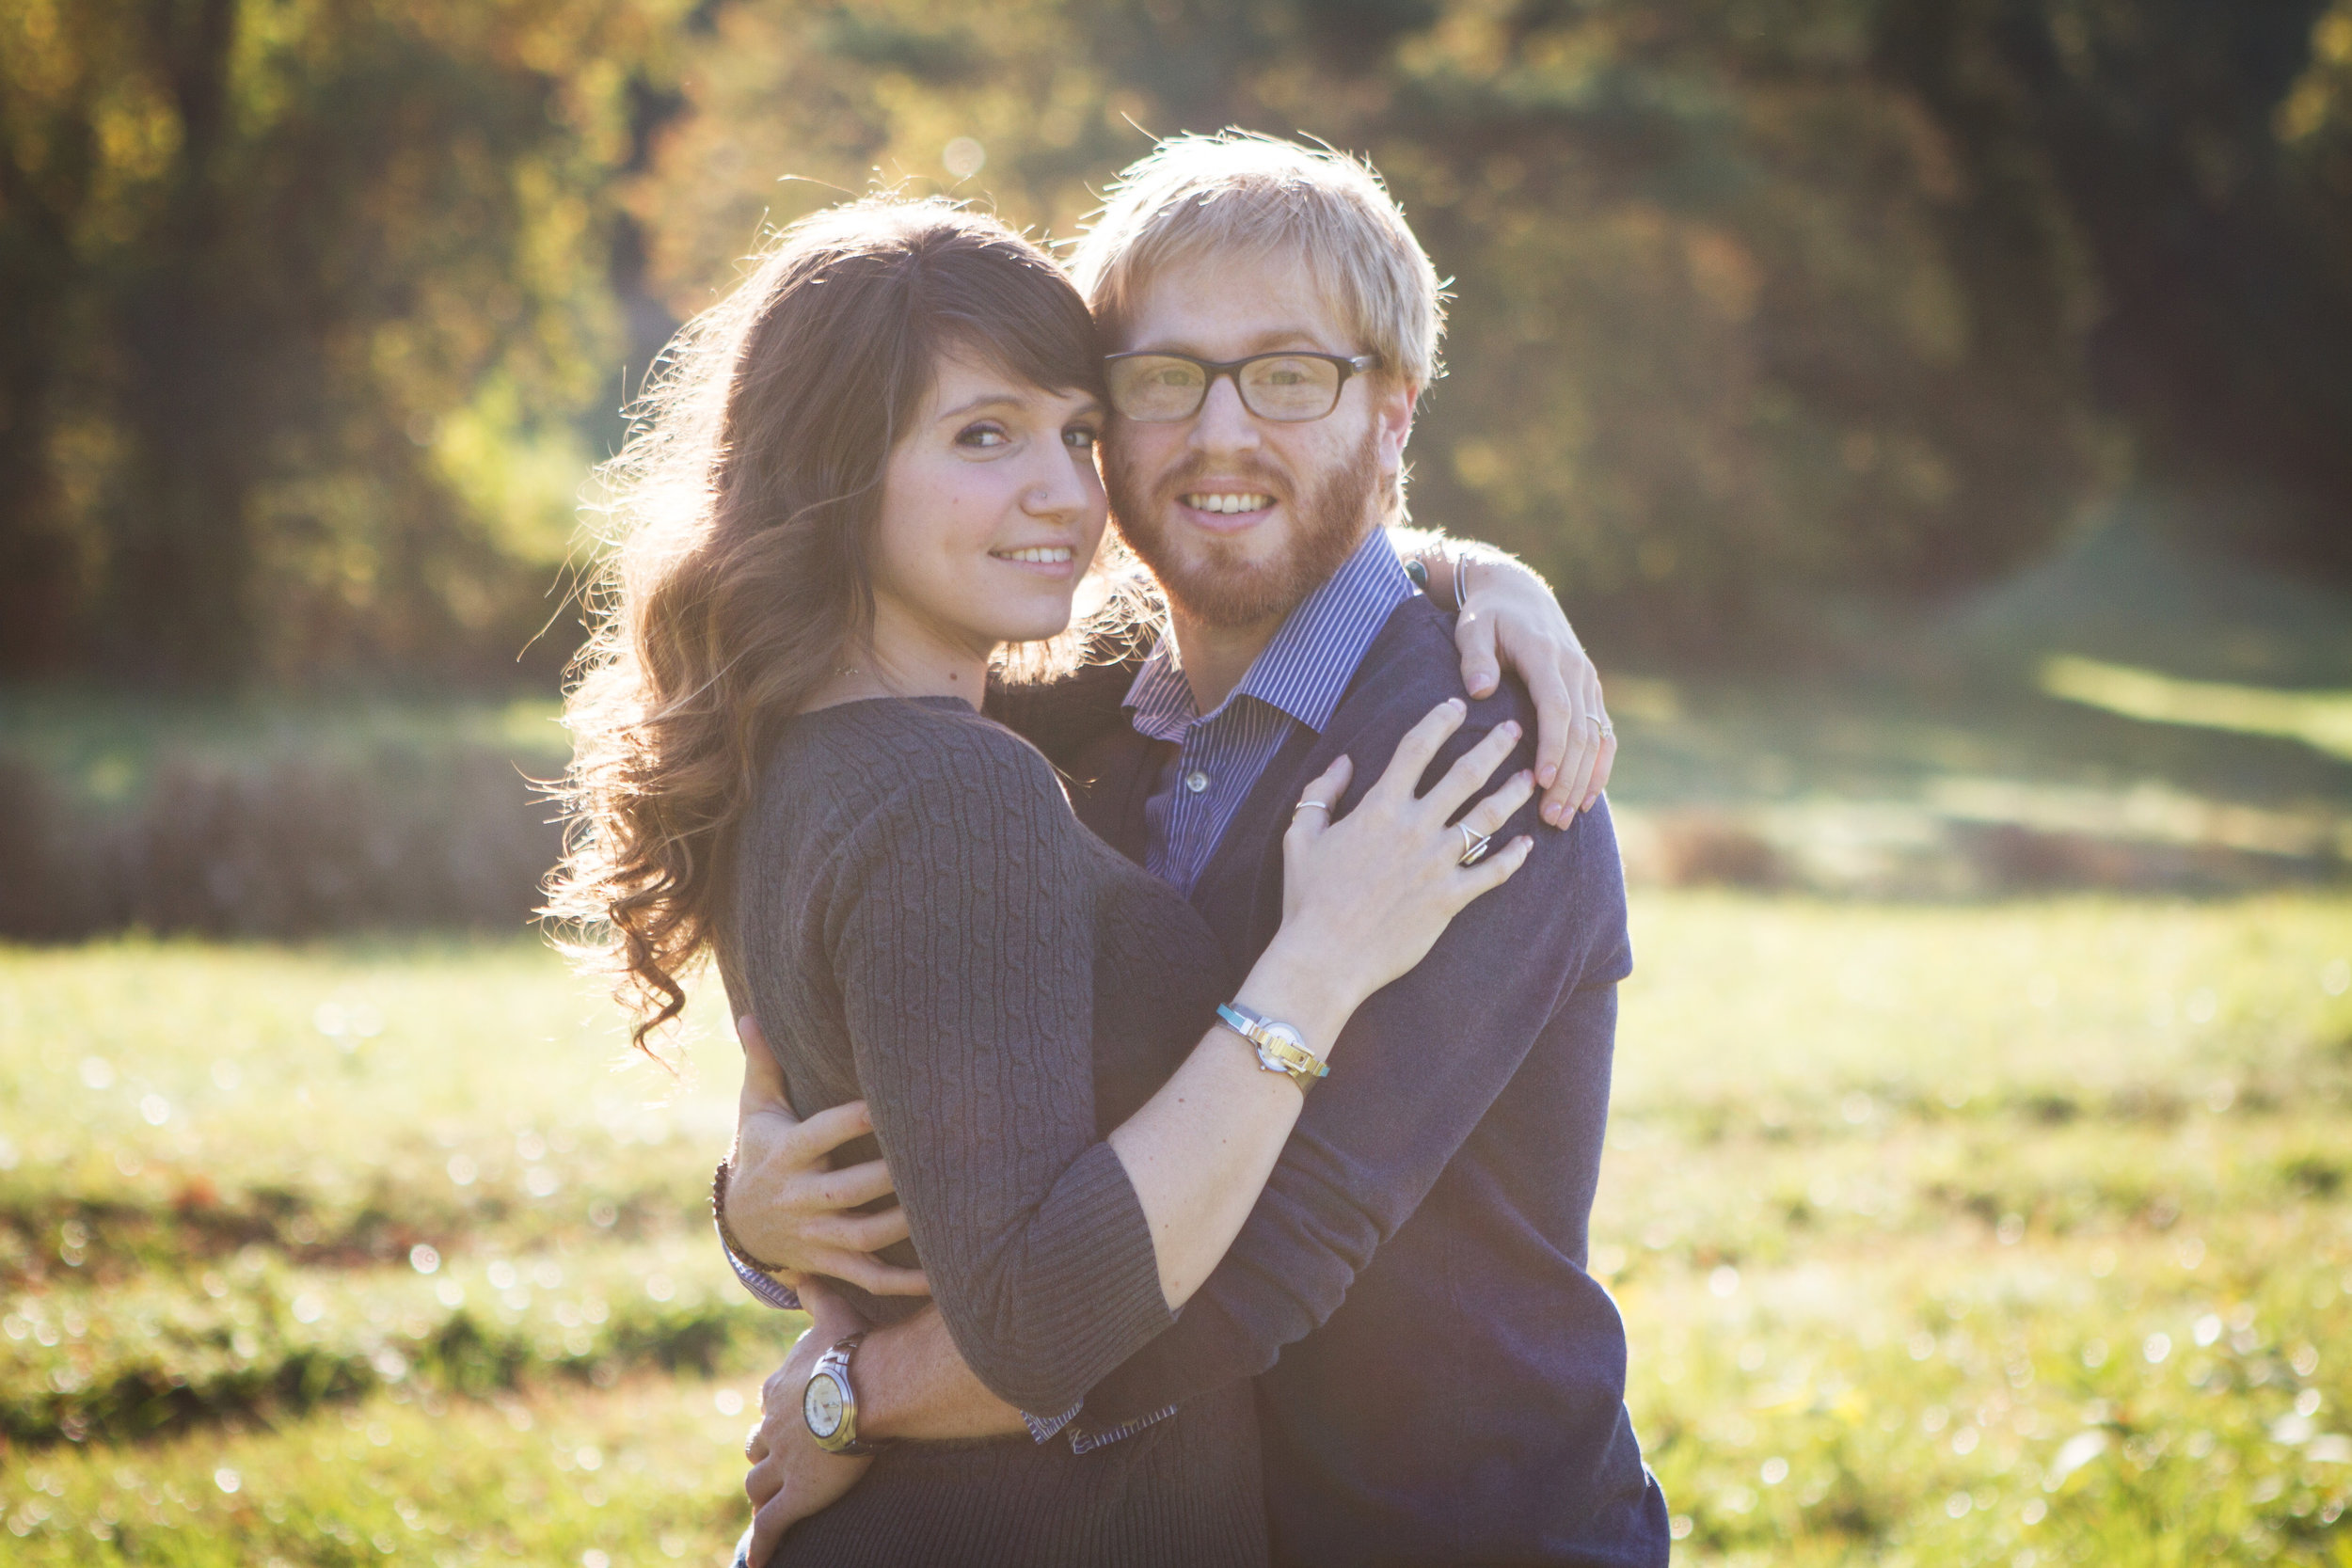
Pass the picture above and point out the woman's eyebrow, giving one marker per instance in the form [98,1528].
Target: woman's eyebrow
[1091,407]
[986,400]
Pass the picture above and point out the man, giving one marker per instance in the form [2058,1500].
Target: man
[1439,1380]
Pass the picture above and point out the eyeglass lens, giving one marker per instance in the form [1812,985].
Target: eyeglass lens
[1155,388]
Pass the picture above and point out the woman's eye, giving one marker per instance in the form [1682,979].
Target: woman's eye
[981,436]
[1081,437]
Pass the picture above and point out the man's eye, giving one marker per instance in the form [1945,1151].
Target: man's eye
[1082,437]
[981,436]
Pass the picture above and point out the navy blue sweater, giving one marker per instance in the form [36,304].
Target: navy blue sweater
[1439,1380]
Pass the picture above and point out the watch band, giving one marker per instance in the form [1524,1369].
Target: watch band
[834,1364]
[1280,1048]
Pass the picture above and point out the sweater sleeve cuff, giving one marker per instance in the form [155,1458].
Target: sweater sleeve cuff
[1090,1307]
[777,1295]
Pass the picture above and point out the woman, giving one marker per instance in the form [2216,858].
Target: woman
[872,474]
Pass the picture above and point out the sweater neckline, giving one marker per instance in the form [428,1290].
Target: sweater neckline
[943,704]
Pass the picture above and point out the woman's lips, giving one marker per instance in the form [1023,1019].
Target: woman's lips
[1052,560]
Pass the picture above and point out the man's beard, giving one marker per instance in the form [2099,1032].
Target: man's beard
[1210,581]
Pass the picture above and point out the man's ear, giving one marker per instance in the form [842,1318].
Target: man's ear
[1393,407]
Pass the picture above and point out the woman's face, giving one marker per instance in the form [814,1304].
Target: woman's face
[990,511]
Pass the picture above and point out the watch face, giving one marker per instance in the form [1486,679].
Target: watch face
[821,1406]
[1287,1034]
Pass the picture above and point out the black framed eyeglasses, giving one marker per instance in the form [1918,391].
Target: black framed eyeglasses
[1291,387]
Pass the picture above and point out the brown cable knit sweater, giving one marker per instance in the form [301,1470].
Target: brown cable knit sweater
[920,920]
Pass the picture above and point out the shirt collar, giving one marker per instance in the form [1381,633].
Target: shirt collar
[1305,670]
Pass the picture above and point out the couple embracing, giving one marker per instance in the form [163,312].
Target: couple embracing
[1178,1040]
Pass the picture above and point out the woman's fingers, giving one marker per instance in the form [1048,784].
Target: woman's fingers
[1470,770]
[1596,703]
[1474,634]
[871,1275]
[1495,870]
[1569,796]
[860,1232]
[1489,815]
[1321,797]
[846,1188]
[1416,752]
[827,1131]
[1555,725]
[1602,770]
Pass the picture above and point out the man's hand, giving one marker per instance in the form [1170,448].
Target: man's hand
[1509,618]
[790,1210]
[791,1478]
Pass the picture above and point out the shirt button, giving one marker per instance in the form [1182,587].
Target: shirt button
[1195,781]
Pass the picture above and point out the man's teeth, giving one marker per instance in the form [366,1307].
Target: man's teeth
[1229,503]
[1043,554]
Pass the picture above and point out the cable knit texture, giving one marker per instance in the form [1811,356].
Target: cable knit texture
[920,921]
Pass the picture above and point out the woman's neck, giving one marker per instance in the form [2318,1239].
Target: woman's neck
[903,660]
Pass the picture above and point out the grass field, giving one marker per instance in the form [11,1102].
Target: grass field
[2012,1233]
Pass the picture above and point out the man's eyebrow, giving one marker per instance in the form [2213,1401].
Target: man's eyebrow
[1281,337]
[1269,341]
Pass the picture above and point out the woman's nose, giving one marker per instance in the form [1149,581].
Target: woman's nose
[1060,488]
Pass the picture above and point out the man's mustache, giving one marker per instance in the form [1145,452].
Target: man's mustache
[1193,470]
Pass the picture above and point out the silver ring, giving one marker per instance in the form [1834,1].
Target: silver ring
[1473,845]
[1319,805]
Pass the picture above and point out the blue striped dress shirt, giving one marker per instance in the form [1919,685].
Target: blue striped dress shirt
[1297,679]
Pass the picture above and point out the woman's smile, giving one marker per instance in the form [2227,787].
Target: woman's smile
[1049,560]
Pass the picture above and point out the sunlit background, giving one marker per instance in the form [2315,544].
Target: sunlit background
[1935,412]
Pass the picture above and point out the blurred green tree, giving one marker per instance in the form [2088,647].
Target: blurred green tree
[2196,154]
[1758,300]
[303,301]
[308,307]
[1719,334]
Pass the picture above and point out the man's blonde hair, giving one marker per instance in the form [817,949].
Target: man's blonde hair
[1241,191]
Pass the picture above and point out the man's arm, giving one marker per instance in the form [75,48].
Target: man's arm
[1507,617]
[1422,1063]
[1506,620]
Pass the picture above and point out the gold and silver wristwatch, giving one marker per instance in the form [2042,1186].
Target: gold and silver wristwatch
[829,1403]
[1280,1048]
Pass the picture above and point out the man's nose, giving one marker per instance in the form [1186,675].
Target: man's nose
[1223,425]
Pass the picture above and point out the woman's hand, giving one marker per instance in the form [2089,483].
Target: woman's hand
[1509,620]
[787,1206]
[791,1478]
[1366,898]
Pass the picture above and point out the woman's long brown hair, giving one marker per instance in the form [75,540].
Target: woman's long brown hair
[740,578]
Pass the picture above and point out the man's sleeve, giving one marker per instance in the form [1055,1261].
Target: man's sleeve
[1416,1071]
[771,1291]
